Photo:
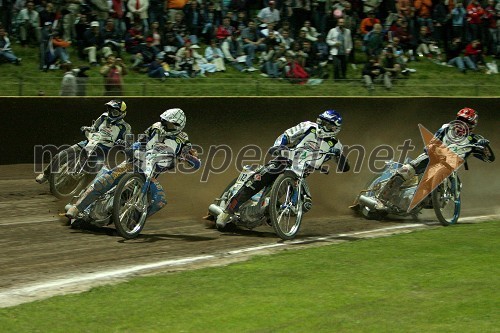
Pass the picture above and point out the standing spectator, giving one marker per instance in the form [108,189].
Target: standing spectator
[301,11]
[340,41]
[117,13]
[46,48]
[156,12]
[423,11]
[269,14]
[174,7]
[232,47]
[454,56]
[439,20]
[214,55]
[28,21]
[373,72]
[72,8]
[68,84]
[138,10]
[368,23]
[212,19]
[113,71]
[491,16]
[81,27]
[251,44]
[194,21]
[5,49]
[48,14]
[458,16]
[474,20]
[101,10]
[6,14]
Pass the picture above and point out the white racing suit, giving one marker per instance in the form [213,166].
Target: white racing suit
[305,134]
[114,130]
[458,143]
[156,138]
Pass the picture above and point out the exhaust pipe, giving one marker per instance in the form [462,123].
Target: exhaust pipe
[215,210]
[371,203]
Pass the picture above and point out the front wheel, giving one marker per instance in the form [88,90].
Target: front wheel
[65,182]
[285,207]
[446,202]
[128,204]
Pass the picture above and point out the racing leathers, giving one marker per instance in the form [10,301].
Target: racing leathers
[156,139]
[450,142]
[108,131]
[304,135]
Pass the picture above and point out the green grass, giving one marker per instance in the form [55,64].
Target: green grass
[438,280]
[429,80]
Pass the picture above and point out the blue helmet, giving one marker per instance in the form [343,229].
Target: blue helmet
[330,123]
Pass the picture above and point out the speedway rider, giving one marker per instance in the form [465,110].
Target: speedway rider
[456,135]
[164,135]
[325,129]
[110,122]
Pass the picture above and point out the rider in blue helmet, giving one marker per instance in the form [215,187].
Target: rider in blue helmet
[307,133]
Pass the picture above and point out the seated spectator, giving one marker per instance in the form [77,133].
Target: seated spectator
[93,43]
[156,34]
[111,38]
[225,29]
[59,46]
[5,49]
[212,19]
[373,72]
[373,42]
[311,32]
[186,61]
[321,49]
[134,37]
[80,27]
[455,58]
[427,46]
[252,43]
[179,27]
[368,23]
[269,14]
[160,69]
[389,63]
[474,51]
[232,48]
[269,62]
[286,39]
[144,55]
[214,55]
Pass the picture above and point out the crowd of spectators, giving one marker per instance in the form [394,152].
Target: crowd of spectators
[294,39]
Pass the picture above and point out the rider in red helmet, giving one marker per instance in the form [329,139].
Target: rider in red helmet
[458,136]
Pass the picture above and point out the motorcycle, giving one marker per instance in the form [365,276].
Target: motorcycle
[126,204]
[445,199]
[281,204]
[75,169]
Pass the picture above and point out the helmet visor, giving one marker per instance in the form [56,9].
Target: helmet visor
[169,126]
[114,113]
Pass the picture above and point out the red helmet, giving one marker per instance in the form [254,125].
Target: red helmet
[468,116]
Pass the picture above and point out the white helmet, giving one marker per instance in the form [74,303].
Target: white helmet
[173,120]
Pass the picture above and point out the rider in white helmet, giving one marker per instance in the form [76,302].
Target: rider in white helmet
[325,129]
[165,133]
[112,121]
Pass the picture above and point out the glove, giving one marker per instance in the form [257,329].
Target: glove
[335,151]
[86,129]
[483,142]
[275,151]
[120,142]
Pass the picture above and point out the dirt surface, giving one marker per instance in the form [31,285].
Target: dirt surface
[38,248]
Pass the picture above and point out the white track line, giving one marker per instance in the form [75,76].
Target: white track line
[18,295]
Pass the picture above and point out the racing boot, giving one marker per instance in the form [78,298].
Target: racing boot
[72,212]
[41,178]
[222,219]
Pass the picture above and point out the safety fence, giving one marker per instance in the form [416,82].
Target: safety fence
[253,86]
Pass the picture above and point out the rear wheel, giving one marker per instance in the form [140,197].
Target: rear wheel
[446,202]
[64,181]
[285,207]
[128,205]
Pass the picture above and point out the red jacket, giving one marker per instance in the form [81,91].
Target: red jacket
[470,50]
[474,13]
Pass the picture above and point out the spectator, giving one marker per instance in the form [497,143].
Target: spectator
[301,11]
[5,49]
[390,64]
[374,41]
[311,32]
[225,29]
[373,72]
[270,30]
[423,11]
[111,38]
[312,62]
[186,61]
[93,43]
[491,16]
[270,62]
[194,21]
[212,19]
[458,16]
[474,51]
[241,21]
[179,27]
[48,14]
[81,27]
[454,56]
[286,39]
[59,46]
[68,84]
[81,80]
[134,37]
[101,10]
[232,47]
[251,44]
[6,14]
[28,21]
[340,41]
[145,54]
[138,10]
[72,9]
[269,14]
[321,49]
[427,46]
[113,71]
[214,55]
[368,23]
[474,20]
[117,14]
[156,11]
